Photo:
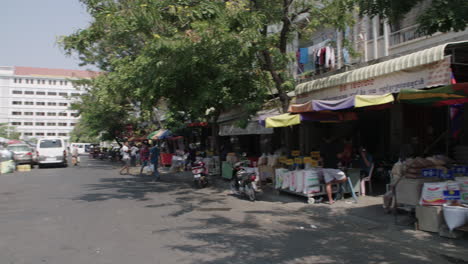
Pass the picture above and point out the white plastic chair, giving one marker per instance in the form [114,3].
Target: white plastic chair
[367,179]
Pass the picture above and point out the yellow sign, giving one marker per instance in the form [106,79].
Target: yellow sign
[282,159]
[315,154]
[295,153]
[307,160]
[314,163]
[289,162]
[298,160]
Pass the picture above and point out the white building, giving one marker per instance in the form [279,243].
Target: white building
[37,100]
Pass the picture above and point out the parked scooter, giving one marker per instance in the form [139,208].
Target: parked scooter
[242,182]
[200,175]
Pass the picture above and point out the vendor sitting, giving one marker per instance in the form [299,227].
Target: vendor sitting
[365,161]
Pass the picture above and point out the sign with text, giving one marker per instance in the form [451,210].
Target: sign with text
[434,74]
[295,153]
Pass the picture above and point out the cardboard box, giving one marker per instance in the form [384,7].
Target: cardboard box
[430,218]
[408,191]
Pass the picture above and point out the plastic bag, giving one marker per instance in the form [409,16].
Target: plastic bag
[433,193]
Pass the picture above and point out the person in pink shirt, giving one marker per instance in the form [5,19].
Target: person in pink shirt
[144,156]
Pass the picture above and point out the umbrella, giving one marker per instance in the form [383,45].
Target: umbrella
[159,134]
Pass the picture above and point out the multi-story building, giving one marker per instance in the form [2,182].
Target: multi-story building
[36,101]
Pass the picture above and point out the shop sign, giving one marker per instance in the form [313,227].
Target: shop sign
[315,154]
[289,162]
[308,160]
[295,153]
[435,74]
[314,163]
[298,160]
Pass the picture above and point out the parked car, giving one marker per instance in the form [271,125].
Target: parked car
[22,153]
[51,152]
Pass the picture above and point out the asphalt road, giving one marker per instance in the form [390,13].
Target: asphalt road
[91,214]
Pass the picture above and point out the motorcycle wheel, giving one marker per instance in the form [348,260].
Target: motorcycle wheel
[250,192]
[197,184]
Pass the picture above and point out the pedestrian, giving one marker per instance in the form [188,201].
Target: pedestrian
[144,157]
[133,155]
[125,152]
[74,153]
[154,158]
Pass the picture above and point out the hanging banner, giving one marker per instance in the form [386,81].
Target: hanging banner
[434,74]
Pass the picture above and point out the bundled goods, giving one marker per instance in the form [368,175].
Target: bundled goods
[292,180]
[279,176]
[299,181]
[433,193]
[23,168]
[311,181]
[286,177]
[463,183]
[425,167]
[7,166]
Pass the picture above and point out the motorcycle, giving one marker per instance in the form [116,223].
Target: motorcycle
[200,179]
[243,182]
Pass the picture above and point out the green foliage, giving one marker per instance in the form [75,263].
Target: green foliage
[441,15]
[7,131]
[82,134]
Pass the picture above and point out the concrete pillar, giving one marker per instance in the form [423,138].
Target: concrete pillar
[386,35]
[375,33]
[339,48]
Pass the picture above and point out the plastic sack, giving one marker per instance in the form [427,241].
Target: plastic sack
[285,184]
[455,216]
[311,181]
[279,175]
[299,181]
[7,166]
[433,193]
[148,169]
[292,181]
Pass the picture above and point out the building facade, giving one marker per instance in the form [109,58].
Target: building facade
[36,101]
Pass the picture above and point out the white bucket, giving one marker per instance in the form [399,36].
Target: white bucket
[455,216]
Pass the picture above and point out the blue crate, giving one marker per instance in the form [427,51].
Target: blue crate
[430,173]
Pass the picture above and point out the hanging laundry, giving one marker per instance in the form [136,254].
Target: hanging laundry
[304,55]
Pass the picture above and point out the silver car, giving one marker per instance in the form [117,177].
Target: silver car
[22,153]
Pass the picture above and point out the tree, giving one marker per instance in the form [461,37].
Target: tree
[441,15]
[82,134]
[7,131]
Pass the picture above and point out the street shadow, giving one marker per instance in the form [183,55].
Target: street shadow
[321,240]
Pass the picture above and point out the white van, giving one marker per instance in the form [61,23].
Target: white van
[51,151]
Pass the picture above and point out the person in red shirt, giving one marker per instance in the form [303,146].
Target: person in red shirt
[144,157]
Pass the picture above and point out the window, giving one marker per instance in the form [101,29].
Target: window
[63,114]
[17,102]
[38,81]
[32,81]
[27,80]
[28,133]
[43,81]
[28,113]
[29,92]
[40,93]
[28,123]
[51,114]
[16,123]
[40,103]
[51,93]
[62,134]
[72,124]
[66,82]
[16,113]
[62,124]
[52,124]
[47,143]
[15,80]
[63,104]
[75,94]
[74,114]
[50,82]
[40,124]
[17,92]
[40,113]
[51,103]
[63,94]
[50,134]
[39,134]
[29,103]
[54,82]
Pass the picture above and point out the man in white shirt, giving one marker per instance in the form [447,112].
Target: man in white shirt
[133,154]
[125,152]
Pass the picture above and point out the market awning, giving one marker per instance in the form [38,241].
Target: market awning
[253,128]
[446,95]
[328,116]
[423,57]
[350,102]
[283,120]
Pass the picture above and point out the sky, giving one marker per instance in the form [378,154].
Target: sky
[29,30]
